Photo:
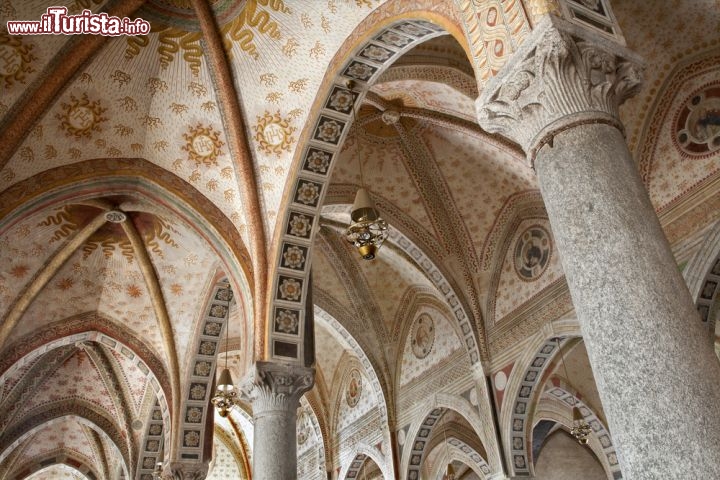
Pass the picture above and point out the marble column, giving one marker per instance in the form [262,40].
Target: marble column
[274,391]
[658,378]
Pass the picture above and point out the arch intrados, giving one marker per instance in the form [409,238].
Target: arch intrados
[29,430]
[424,28]
[65,457]
[25,350]
[445,402]
[364,452]
[462,321]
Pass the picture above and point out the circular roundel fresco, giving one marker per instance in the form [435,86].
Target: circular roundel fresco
[422,336]
[354,388]
[697,123]
[532,252]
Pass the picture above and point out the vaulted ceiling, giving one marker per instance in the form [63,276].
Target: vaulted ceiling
[150,187]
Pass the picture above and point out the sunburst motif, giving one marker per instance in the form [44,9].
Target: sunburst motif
[274,133]
[203,145]
[15,60]
[80,117]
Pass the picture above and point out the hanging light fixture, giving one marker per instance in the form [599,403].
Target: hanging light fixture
[367,231]
[225,393]
[580,428]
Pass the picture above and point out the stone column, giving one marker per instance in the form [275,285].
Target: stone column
[658,378]
[274,391]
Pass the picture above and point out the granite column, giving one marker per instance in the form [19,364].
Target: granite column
[274,392]
[656,374]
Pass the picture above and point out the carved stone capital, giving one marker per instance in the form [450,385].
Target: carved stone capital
[186,471]
[274,387]
[563,75]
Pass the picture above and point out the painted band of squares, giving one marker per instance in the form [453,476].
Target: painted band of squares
[330,128]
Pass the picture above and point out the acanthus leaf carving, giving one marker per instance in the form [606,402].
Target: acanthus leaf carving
[273,386]
[564,76]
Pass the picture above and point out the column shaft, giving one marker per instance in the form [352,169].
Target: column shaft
[274,445]
[658,378]
[274,391]
[656,374]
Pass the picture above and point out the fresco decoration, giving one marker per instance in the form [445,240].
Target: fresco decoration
[697,123]
[495,29]
[521,421]
[81,117]
[331,125]
[420,442]
[422,336]
[274,133]
[254,19]
[203,145]
[156,232]
[202,369]
[599,430]
[16,60]
[532,253]
[354,388]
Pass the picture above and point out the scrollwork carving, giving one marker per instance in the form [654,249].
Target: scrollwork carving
[566,77]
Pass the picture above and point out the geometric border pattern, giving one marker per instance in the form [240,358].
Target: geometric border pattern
[196,399]
[709,292]
[152,446]
[519,423]
[469,451]
[419,442]
[330,129]
[597,426]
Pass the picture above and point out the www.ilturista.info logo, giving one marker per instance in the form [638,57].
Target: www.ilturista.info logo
[57,22]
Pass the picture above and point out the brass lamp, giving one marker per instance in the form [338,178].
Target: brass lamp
[225,395]
[367,231]
[450,473]
[580,430]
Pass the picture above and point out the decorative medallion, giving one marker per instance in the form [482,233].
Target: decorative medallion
[299,225]
[193,415]
[15,60]
[289,289]
[394,39]
[286,321]
[422,336]
[80,117]
[354,388]
[697,124]
[532,253]
[341,100]
[294,256]
[191,438]
[329,130]
[203,145]
[317,161]
[197,391]
[274,133]
[202,368]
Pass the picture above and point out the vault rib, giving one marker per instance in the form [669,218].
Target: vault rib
[158,300]
[230,106]
[23,301]
[40,96]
